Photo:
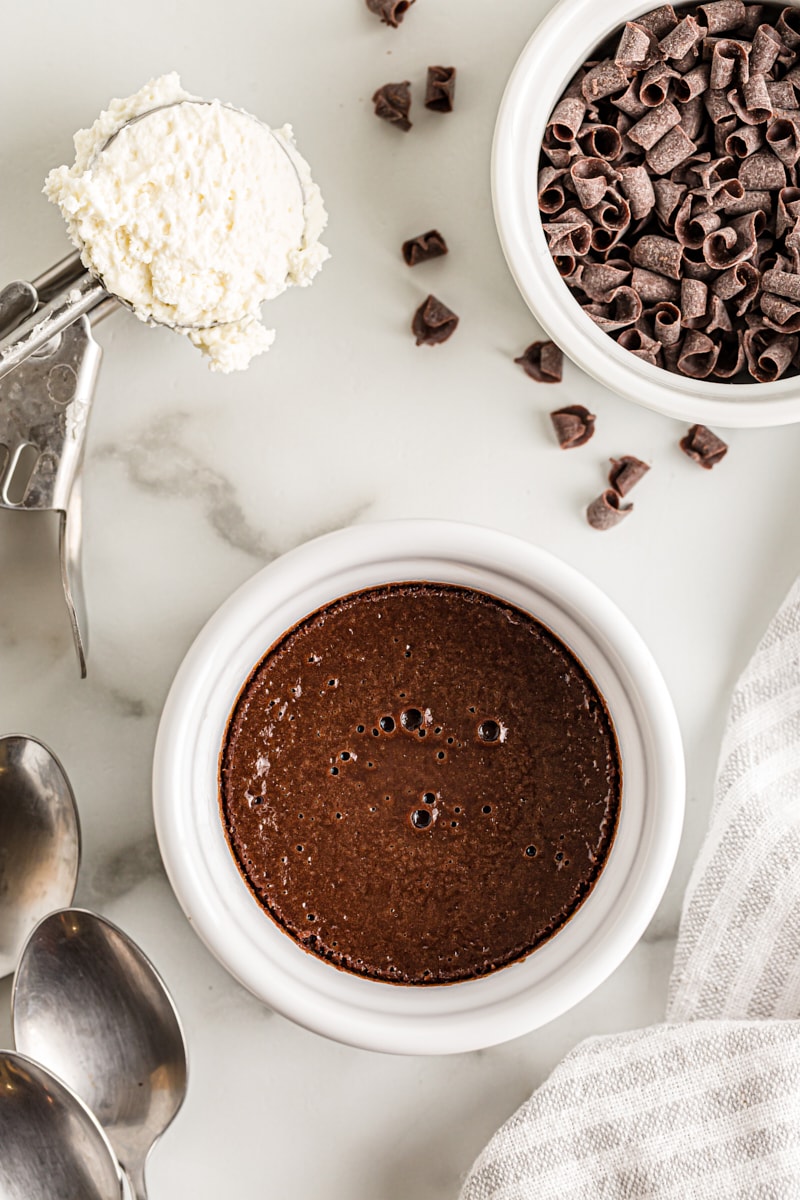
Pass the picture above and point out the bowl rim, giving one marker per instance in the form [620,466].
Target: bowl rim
[524,109]
[457,1017]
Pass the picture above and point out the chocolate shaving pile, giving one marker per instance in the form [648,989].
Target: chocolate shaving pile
[433,322]
[542,361]
[625,473]
[440,89]
[393,103]
[391,12]
[606,511]
[574,426]
[703,446]
[424,247]
[669,188]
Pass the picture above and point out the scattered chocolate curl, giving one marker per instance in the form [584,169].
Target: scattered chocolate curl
[574,426]
[440,89]
[424,247]
[703,446]
[542,361]
[392,103]
[433,322]
[391,12]
[626,472]
[606,511]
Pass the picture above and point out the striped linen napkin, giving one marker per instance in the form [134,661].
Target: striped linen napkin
[706,1106]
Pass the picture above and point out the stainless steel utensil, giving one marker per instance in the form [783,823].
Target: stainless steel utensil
[51,1147]
[40,841]
[44,412]
[93,1009]
[86,291]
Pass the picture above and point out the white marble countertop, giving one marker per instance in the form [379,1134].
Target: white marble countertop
[194,481]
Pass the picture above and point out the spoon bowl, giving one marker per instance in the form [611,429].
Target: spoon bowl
[40,841]
[89,1005]
[52,1146]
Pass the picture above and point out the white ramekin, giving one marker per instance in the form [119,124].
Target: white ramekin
[380,1016]
[565,39]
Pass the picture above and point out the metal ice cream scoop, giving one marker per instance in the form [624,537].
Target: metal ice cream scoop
[87,291]
[40,842]
[89,1005]
[51,1147]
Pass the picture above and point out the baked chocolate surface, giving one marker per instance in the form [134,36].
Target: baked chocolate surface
[420,783]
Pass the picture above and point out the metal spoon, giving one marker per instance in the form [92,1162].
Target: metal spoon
[40,841]
[52,1146]
[92,1008]
[88,290]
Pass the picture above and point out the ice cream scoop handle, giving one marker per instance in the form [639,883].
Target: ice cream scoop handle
[35,332]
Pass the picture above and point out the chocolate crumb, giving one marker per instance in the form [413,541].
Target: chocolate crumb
[424,247]
[542,361]
[703,446]
[606,511]
[626,472]
[392,103]
[574,426]
[433,322]
[391,12]
[440,89]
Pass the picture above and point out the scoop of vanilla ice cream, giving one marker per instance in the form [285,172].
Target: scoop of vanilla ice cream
[194,215]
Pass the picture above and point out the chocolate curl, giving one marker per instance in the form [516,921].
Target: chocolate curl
[570,233]
[711,171]
[625,308]
[542,361]
[626,472]
[606,79]
[392,103]
[655,83]
[775,359]
[744,141]
[703,446]
[781,95]
[551,192]
[637,48]
[440,89]
[433,322]
[741,281]
[684,65]
[692,84]
[718,316]
[753,17]
[783,139]
[682,39]
[734,243]
[667,323]
[721,16]
[567,119]
[391,12]
[611,216]
[792,244]
[698,355]
[731,358]
[659,20]
[654,288]
[762,172]
[694,301]
[568,266]
[788,27]
[654,124]
[691,231]
[573,425]
[673,148]
[629,102]
[748,202]
[638,188]
[424,247]
[719,108]
[693,117]
[766,47]
[601,280]
[561,156]
[779,314]
[591,178]
[757,98]
[601,141]
[787,209]
[668,196]
[659,254]
[748,116]
[607,511]
[728,58]
[637,342]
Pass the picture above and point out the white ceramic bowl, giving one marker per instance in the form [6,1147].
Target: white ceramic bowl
[362,1012]
[565,39]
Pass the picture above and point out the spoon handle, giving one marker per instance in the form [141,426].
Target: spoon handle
[28,337]
[136,1182]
